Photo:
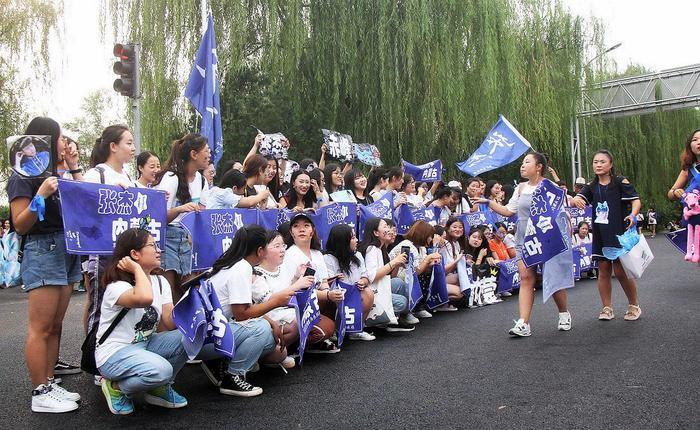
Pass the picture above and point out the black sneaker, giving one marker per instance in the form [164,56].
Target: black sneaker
[63,368]
[400,327]
[235,385]
[214,369]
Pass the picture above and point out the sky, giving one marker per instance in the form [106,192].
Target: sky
[656,34]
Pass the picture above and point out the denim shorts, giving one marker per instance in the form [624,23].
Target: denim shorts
[178,251]
[46,262]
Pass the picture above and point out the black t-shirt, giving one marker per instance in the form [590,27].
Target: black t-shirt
[18,186]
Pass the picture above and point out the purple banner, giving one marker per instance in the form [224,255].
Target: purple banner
[428,172]
[508,275]
[543,239]
[305,303]
[382,208]
[437,295]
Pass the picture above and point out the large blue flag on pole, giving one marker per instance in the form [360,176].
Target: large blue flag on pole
[502,145]
[203,92]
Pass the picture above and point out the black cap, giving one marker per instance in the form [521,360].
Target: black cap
[300,215]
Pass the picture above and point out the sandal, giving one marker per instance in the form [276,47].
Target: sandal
[606,314]
[633,313]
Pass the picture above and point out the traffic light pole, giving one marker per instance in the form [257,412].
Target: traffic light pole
[136,102]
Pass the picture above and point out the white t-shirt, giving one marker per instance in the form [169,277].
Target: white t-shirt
[578,241]
[137,325]
[264,286]
[169,183]
[112,177]
[234,286]
[294,257]
[509,240]
[357,272]
[373,261]
[222,198]
[418,255]
[450,251]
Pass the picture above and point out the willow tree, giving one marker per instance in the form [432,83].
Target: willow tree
[25,29]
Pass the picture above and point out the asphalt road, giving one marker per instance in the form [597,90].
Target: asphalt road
[456,370]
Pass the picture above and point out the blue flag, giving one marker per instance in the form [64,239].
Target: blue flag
[351,309]
[508,276]
[271,219]
[340,320]
[331,215]
[305,303]
[679,239]
[437,295]
[382,208]
[474,219]
[199,317]
[428,172]
[212,232]
[543,238]
[93,221]
[502,145]
[406,216]
[203,92]
[412,284]
[578,215]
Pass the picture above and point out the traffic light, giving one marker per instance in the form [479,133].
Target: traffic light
[127,68]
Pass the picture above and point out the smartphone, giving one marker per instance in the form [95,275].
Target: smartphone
[332,278]
[406,250]
[309,272]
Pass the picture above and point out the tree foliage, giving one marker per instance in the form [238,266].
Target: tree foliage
[419,79]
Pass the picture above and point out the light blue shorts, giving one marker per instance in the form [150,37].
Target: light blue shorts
[46,262]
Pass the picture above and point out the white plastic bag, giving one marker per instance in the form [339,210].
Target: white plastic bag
[638,259]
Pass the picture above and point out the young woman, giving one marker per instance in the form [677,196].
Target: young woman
[419,238]
[499,250]
[209,174]
[493,189]
[334,177]
[148,166]
[257,173]
[48,271]
[533,169]
[453,251]
[583,235]
[414,196]
[443,198]
[356,182]
[230,193]
[185,187]
[341,257]
[269,285]
[651,221]
[273,181]
[616,204]
[232,279]
[690,166]
[504,236]
[474,192]
[378,180]
[112,152]
[305,249]
[300,197]
[144,351]
[318,185]
[381,274]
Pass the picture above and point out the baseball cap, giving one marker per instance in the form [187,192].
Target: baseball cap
[580,181]
[300,215]
[454,184]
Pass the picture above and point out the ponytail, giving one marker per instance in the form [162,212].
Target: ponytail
[177,163]
[102,149]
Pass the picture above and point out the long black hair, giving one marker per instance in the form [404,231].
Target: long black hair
[309,198]
[474,252]
[369,239]
[131,239]
[247,241]
[375,176]
[338,245]
[177,163]
[274,184]
[142,159]
[232,178]
[328,173]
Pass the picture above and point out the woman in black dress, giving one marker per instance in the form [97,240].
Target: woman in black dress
[611,197]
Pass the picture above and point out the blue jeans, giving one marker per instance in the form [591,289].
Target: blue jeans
[399,296]
[146,365]
[46,262]
[253,340]
[177,255]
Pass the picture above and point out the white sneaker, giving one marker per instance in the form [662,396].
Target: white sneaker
[564,321]
[410,319]
[423,314]
[44,399]
[520,329]
[98,380]
[62,392]
[363,335]
[506,294]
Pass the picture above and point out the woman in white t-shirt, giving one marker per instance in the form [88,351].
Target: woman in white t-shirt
[341,257]
[268,286]
[305,249]
[144,351]
[148,166]
[185,187]
[113,150]
[583,235]
[232,279]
